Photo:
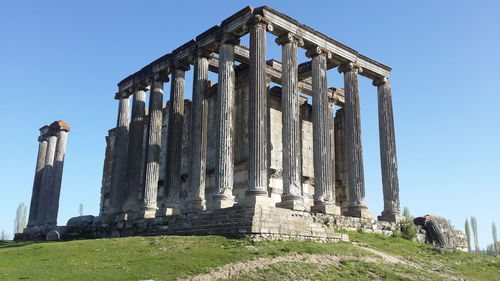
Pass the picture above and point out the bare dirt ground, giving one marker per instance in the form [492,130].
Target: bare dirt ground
[240,268]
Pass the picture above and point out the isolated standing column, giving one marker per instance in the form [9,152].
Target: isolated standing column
[55,191]
[47,178]
[37,182]
[388,158]
[354,150]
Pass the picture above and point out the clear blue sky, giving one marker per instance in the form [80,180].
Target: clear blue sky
[63,59]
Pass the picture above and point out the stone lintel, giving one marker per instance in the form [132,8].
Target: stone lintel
[281,24]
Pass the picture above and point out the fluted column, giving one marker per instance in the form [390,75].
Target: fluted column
[118,182]
[257,119]
[148,204]
[224,112]
[292,197]
[354,150]
[47,178]
[37,182]
[136,136]
[388,159]
[324,196]
[55,191]
[174,140]
[198,150]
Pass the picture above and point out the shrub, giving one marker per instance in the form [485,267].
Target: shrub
[408,229]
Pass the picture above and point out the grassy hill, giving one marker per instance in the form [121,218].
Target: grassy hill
[367,257]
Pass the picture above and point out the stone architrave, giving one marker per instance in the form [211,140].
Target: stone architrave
[134,160]
[324,179]
[354,151]
[37,182]
[62,128]
[118,184]
[148,204]
[388,158]
[257,193]
[174,140]
[224,118]
[292,174]
[47,178]
[198,150]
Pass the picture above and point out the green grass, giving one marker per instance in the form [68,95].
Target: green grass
[172,257]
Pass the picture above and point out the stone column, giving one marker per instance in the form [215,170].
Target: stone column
[55,191]
[324,196]
[174,140]
[47,178]
[37,182]
[224,118]
[148,206]
[292,185]
[388,158]
[134,163]
[354,150]
[199,117]
[257,193]
[118,182]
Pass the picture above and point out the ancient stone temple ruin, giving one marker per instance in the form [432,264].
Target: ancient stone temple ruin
[240,143]
[48,175]
[271,148]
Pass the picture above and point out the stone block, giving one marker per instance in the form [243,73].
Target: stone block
[326,209]
[254,201]
[296,205]
[360,212]
[391,218]
[222,204]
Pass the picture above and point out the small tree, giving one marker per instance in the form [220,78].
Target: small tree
[80,209]
[4,235]
[467,233]
[494,234]
[407,227]
[406,213]
[473,223]
[21,218]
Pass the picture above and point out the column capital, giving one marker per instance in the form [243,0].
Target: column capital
[228,38]
[380,81]
[159,77]
[121,95]
[204,53]
[44,133]
[139,86]
[350,66]
[59,125]
[180,65]
[316,51]
[260,21]
[289,38]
